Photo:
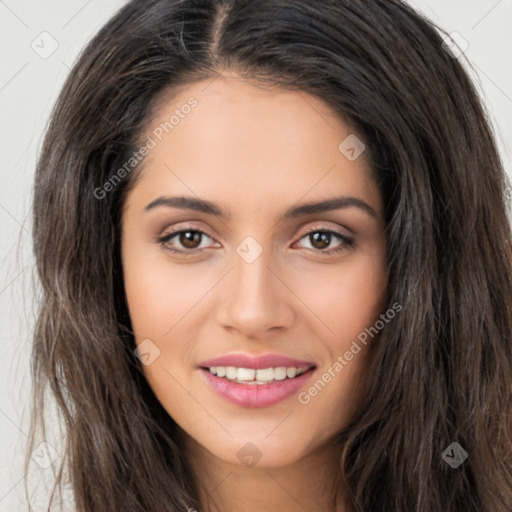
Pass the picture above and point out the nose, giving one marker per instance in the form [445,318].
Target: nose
[256,301]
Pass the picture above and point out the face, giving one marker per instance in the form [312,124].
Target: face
[246,301]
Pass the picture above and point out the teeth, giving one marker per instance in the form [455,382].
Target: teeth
[245,374]
[291,372]
[260,376]
[231,372]
[265,375]
[280,373]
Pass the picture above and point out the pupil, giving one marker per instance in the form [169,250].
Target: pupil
[323,240]
[189,238]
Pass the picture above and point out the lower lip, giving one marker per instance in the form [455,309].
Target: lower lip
[256,395]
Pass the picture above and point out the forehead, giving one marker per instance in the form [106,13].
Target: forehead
[240,142]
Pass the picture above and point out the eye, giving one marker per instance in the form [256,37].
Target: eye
[321,239]
[188,239]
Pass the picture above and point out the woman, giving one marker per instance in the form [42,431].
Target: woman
[273,244]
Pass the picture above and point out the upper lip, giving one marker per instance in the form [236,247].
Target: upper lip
[256,362]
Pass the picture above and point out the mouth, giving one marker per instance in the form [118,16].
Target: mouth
[258,377]
[252,384]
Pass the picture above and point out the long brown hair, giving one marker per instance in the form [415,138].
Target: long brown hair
[442,371]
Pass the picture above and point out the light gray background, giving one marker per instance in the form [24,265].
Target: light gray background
[29,85]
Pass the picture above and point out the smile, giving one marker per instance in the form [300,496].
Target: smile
[251,376]
[256,381]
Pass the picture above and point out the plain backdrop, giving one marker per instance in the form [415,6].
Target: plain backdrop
[39,41]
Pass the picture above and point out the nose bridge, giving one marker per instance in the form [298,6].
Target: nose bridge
[253,285]
[254,297]
[251,278]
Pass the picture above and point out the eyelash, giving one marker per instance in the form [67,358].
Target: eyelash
[345,241]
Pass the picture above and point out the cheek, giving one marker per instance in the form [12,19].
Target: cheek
[159,293]
[160,298]
[351,303]
[346,298]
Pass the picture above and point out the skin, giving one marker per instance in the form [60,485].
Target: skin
[255,152]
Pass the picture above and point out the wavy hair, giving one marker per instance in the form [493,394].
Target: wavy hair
[442,371]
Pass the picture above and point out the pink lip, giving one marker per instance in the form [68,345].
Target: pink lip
[256,395]
[256,363]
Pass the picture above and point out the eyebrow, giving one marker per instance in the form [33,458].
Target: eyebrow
[204,206]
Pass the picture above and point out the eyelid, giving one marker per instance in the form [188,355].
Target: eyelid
[184,226]
[322,226]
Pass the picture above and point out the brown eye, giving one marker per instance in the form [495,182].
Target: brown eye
[320,239]
[190,239]
[184,240]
